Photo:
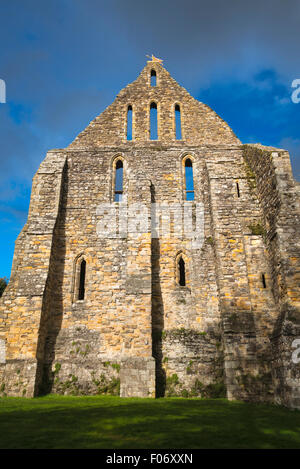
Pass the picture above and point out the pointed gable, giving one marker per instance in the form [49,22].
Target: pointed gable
[200,125]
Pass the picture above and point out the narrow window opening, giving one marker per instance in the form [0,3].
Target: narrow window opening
[119,181]
[238,189]
[81,290]
[189,180]
[153,78]
[153,121]
[181,266]
[263,278]
[177,122]
[129,123]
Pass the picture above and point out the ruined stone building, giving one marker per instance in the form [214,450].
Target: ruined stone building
[157,315]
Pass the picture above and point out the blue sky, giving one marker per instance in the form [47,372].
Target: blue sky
[64,61]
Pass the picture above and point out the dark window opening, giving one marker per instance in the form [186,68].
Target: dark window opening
[119,181]
[153,78]
[181,266]
[129,123]
[238,189]
[189,180]
[177,122]
[263,278]
[82,280]
[153,121]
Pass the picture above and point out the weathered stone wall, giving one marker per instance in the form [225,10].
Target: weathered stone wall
[137,377]
[279,198]
[246,307]
[200,124]
[23,301]
[114,319]
[220,333]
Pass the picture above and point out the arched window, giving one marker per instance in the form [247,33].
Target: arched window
[177,122]
[189,180]
[153,78]
[81,283]
[153,121]
[119,181]
[181,272]
[129,123]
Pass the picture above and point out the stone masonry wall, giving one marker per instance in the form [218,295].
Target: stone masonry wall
[280,202]
[247,310]
[200,124]
[138,332]
[22,303]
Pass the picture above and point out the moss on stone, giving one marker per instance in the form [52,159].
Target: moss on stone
[210,240]
[257,229]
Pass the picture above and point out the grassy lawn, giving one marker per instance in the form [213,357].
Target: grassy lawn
[111,422]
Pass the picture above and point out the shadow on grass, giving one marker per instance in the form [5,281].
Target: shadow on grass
[111,422]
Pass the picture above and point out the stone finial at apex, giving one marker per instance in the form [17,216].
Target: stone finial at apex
[154,59]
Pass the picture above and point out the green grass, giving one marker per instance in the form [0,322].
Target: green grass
[112,422]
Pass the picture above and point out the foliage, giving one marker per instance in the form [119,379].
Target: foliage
[57,368]
[215,390]
[106,385]
[250,175]
[115,366]
[183,334]
[102,384]
[257,229]
[210,240]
